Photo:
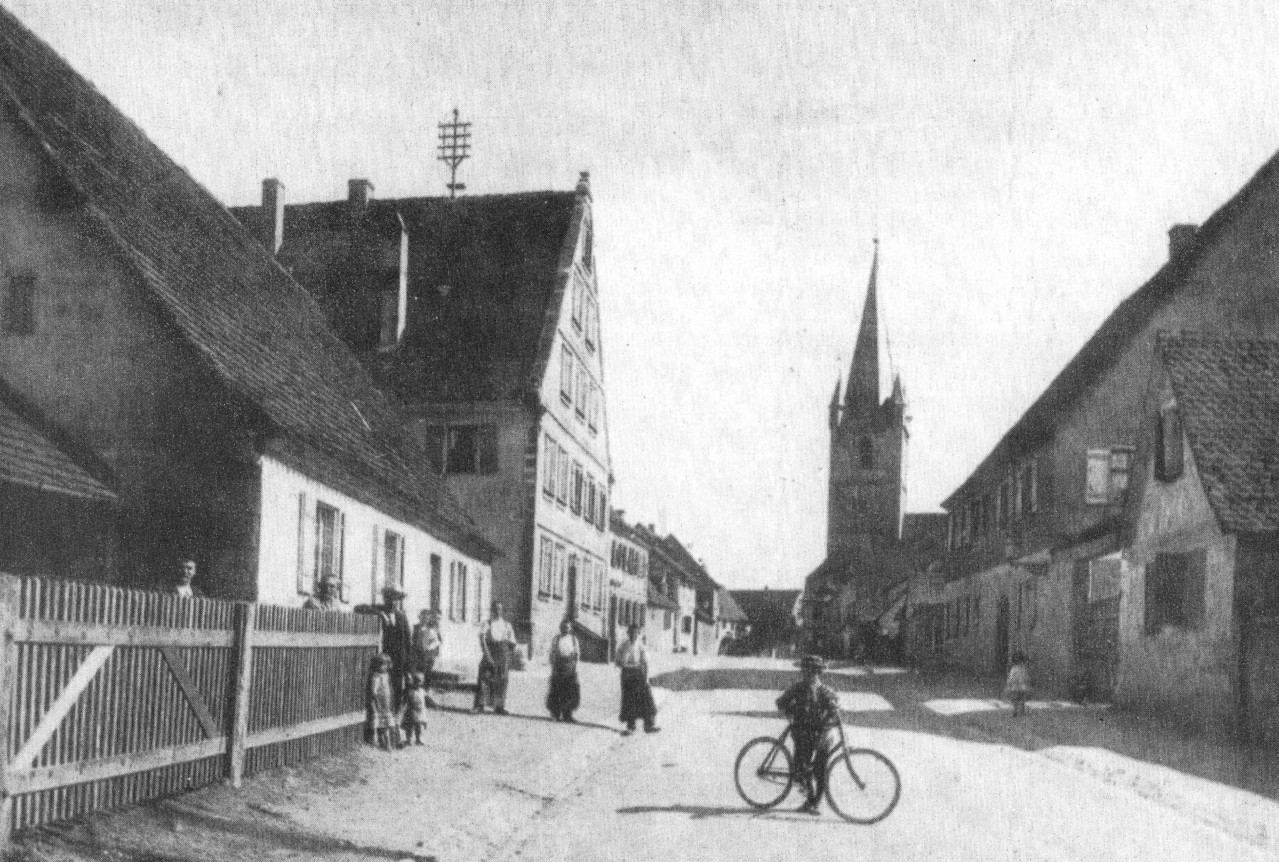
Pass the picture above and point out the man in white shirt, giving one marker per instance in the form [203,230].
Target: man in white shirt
[497,643]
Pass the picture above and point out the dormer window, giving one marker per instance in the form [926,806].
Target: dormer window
[588,254]
[1169,459]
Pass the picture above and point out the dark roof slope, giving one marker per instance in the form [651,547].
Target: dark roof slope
[484,274]
[728,608]
[1228,395]
[1116,332]
[256,328]
[29,457]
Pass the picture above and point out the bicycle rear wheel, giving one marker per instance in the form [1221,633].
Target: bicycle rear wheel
[762,772]
[862,785]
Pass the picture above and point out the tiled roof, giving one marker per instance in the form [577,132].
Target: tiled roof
[1228,394]
[30,458]
[1115,334]
[257,329]
[484,275]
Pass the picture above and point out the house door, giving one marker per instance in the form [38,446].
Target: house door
[1097,627]
[612,626]
[1001,636]
[571,596]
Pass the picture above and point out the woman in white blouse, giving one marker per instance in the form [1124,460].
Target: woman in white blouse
[564,694]
[637,697]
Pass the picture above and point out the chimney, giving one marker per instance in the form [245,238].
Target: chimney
[1180,238]
[584,184]
[358,193]
[273,214]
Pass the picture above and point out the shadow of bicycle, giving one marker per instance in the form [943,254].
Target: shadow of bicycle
[701,812]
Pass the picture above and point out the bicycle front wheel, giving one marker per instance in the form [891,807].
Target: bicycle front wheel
[762,772]
[862,785]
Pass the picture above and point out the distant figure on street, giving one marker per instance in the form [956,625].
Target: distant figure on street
[1017,689]
[185,587]
[380,707]
[415,708]
[497,643]
[326,596]
[397,639]
[637,697]
[813,711]
[564,693]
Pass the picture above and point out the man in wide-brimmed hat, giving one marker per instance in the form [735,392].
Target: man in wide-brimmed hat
[397,638]
[813,710]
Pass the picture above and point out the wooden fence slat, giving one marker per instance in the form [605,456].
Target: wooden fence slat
[10,597]
[194,698]
[138,634]
[236,748]
[306,728]
[57,710]
[314,640]
[48,778]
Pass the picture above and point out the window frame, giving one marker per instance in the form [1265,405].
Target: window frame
[337,551]
[567,374]
[545,567]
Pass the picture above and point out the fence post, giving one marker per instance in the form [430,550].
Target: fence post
[10,594]
[245,622]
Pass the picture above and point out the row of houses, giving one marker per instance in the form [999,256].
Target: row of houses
[400,393]
[1124,531]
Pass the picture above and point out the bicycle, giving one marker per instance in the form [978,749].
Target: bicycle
[862,785]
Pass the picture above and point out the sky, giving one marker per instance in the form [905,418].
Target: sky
[1021,163]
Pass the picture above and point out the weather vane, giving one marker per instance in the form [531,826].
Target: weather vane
[455,148]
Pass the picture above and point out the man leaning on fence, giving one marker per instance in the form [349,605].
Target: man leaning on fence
[185,587]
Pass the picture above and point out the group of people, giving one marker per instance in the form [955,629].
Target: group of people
[563,695]
[399,676]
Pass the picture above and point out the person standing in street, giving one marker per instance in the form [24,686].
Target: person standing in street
[637,697]
[427,642]
[813,711]
[565,693]
[497,643]
[397,639]
[1017,689]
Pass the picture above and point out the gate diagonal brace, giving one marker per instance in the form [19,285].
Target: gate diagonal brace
[61,705]
[193,695]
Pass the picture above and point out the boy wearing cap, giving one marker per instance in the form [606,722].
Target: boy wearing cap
[813,710]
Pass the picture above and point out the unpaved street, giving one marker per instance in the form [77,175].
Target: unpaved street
[978,785]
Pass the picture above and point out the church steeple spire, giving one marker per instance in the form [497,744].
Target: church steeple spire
[862,393]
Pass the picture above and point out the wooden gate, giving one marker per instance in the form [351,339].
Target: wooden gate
[114,696]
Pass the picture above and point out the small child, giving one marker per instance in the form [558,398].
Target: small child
[1017,688]
[415,700]
[380,699]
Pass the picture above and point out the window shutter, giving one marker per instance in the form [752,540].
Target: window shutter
[1196,566]
[374,576]
[436,565]
[304,585]
[339,553]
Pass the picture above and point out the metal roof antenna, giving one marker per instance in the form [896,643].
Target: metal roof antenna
[455,148]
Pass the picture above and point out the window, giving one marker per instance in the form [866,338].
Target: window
[393,559]
[477,606]
[1107,478]
[20,305]
[588,250]
[1175,591]
[576,500]
[561,492]
[436,567]
[588,584]
[866,453]
[557,588]
[1169,447]
[459,581]
[545,567]
[589,514]
[578,290]
[599,586]
[551,466]
[666,620]
[687,625]
[566,375]
[462,449]
[1030,493]
[601,510]
[329,524]
[583,386]
[573,592]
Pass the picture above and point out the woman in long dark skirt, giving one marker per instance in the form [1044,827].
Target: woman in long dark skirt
[565,693]
[637,697]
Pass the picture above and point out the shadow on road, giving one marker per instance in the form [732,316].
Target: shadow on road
[701,812]
[519,716]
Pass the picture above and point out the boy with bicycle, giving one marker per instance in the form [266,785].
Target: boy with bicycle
[813,711]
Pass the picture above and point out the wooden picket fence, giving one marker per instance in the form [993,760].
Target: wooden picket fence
[110,697]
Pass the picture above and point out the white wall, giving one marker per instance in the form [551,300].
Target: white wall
[286,560]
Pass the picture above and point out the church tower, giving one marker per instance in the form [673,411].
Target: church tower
[867,444]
